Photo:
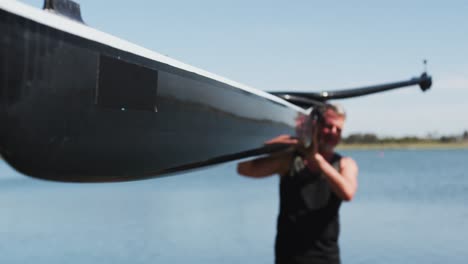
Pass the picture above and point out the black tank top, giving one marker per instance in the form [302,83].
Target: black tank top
[308,221]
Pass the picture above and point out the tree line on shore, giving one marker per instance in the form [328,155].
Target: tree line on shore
[370,138]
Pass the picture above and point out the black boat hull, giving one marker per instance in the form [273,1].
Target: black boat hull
[74,109]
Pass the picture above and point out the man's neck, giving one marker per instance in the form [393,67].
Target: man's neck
[327,153]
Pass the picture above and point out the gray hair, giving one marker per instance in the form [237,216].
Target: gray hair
[337,108]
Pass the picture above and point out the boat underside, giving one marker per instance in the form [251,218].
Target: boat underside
[73,109]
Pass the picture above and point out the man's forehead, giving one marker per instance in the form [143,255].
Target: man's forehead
[329,113]
[331,118]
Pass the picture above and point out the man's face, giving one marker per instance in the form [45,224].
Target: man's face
[330,130]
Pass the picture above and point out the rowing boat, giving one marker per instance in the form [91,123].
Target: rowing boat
[80,105]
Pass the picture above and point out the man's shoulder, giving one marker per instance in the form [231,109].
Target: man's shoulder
[348,162]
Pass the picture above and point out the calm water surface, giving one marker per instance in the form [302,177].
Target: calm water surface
[410,208]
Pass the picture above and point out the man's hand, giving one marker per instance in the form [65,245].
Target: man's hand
[275,163]
[283,139]
[295,143]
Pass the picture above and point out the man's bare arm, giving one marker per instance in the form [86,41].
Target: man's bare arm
[277,163]
[343,182]
[266,166]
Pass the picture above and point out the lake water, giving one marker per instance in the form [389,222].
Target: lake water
[411,207]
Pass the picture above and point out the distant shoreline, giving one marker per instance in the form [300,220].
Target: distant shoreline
[419,145]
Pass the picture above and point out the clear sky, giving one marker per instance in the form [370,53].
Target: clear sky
[314,46]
